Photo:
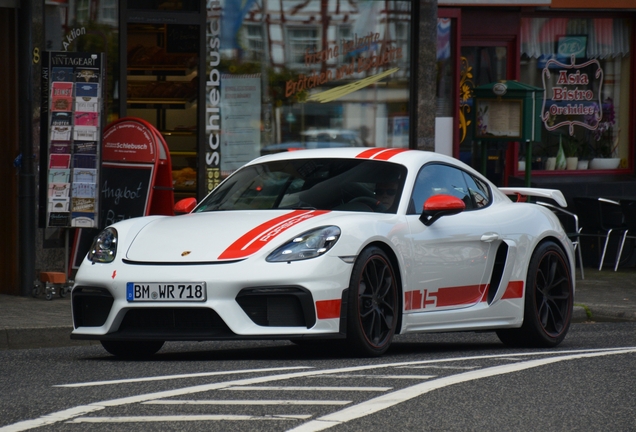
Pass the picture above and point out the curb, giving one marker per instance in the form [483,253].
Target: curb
[38,337]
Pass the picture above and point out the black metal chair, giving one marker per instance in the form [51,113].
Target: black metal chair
[629,217]
[600,217]
[570,223]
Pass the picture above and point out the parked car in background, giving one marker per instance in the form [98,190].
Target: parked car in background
[318,138]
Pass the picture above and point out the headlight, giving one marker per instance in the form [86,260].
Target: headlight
[307,245]
[104,247]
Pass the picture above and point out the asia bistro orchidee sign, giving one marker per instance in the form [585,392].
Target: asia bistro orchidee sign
[568,99]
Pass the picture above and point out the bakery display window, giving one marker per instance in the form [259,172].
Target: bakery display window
[162,88]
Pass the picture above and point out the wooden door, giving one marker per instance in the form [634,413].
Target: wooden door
[9,150]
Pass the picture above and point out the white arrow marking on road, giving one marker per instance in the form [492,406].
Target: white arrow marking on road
[181,376]
[96,406]
[176,418]
[246,402]
[388,400]
[308,388]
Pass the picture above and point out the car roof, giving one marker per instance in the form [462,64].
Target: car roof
[410,158]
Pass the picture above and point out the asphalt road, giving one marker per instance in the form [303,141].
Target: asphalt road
[448,382]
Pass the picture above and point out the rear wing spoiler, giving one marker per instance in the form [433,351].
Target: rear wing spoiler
[523,192]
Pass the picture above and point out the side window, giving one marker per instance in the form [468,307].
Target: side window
[436,179]
[479,191]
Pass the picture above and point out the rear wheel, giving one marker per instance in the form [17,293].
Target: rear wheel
[548,301]
[132,349]
[373,304]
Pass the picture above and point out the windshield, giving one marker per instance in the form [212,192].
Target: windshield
[322,184]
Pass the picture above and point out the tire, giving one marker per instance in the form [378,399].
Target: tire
[372,310]
[132,349]
[548,301]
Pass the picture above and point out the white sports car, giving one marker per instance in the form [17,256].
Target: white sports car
[315,245]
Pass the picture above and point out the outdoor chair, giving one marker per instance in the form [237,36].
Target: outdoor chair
[629,217]
[570,223]
[600,217]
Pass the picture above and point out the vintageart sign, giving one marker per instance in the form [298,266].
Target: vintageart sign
[572,95]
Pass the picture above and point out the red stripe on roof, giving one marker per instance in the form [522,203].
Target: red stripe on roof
[389,153]
[255,239]
[368,154]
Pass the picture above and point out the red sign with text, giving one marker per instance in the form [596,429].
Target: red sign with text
[129,140]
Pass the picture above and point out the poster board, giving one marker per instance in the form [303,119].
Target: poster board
[125,191]
[72,113]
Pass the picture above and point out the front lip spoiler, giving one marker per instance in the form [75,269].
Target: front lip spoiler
[179,263]
[195,337]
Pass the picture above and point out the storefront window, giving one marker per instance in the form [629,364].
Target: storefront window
[88,26]
[288,75]
[583,66]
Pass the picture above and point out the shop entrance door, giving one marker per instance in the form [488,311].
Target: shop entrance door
[8,151]
[483,62]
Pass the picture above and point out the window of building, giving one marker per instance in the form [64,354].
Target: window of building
[301,41]
[82,11]
[290,75]
[583,66]
[108,12]
[254,41]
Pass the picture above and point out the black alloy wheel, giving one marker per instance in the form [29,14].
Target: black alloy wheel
[373,306]
[548,300]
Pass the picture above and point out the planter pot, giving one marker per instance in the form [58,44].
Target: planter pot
[522,166]
[605,163]
[571,163]
[550,163]
[582,164]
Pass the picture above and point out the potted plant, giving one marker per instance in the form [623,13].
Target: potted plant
[570,149]
[604,142]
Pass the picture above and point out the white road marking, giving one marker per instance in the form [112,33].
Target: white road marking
[96,406]
[246,402]
[308,388]
[380,376]
[390,399]
[437,367]
[184,418]
[181,376]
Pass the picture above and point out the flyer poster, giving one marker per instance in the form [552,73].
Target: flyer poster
[62,96]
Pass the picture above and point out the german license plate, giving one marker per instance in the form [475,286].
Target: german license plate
[173,291]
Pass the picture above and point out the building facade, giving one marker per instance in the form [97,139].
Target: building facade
[224,82]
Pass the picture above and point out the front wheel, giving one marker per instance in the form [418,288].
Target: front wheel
[132,349]
[548,301]
[373,304]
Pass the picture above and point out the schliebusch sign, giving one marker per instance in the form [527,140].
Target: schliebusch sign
[572,94]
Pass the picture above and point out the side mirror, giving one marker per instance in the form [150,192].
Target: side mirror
[185,205]
[441,205]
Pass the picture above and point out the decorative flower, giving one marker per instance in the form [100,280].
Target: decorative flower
[602,134]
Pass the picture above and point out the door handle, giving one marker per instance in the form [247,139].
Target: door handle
[490,237]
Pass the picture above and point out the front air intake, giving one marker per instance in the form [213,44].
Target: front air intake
[278,306]
[91,306]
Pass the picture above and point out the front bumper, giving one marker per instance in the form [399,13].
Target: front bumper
[244,301]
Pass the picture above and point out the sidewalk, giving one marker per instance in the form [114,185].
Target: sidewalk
[27,322]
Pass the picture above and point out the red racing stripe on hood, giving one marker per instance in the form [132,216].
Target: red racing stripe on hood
[254,240]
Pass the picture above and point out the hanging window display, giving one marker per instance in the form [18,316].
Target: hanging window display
[283,76]
[71,113]
[582,64]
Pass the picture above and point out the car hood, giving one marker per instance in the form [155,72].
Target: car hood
[217,236]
